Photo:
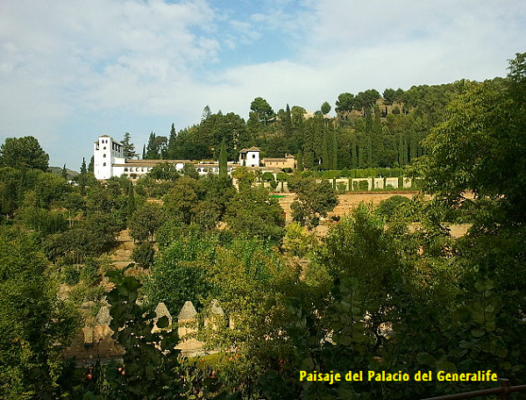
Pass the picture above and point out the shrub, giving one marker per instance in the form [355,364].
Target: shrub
[143,254]
[71,275]
[387,208]
[89,274]
[363,185]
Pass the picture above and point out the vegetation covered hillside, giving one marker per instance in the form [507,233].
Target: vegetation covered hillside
[369,130]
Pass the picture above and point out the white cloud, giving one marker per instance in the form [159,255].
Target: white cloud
[104,51]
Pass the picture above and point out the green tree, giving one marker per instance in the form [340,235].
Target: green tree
[252,214]
[91,164]
[261,110]
[345,104]
[35,324]
[82,178]
[181,200]
[244,176]
[23,153]
[313,200]
[300,166]
[156,148]
[171,151]
[64,173]
[190,171]
[128,147]
[389,96]
[164,171]
[325,108]
[145,222]
[181,271]
[130,206]
[223,167]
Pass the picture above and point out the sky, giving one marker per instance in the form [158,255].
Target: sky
[73,70]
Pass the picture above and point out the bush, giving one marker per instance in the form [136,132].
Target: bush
[387,208]
[71,275]
[143,255]
[89,274]
[363,185]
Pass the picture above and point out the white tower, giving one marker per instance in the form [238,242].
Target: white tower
[105,151]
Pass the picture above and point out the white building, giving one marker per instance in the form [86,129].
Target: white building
[106,153]
[249,157]
[109,161]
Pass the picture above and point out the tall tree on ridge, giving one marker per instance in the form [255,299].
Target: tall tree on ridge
[128,147]
[223,167]
[172,143]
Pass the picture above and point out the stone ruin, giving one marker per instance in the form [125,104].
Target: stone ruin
[94,340]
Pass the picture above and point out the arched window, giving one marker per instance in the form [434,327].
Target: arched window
[103,164]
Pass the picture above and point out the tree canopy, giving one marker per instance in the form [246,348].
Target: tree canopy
[23,153]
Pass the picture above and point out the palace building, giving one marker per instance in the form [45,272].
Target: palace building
[109,161]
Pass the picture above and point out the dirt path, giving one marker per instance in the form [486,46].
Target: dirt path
[122,256]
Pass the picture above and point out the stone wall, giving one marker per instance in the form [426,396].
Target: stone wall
[94,340]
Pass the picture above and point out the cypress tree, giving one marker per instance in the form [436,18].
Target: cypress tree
[334,151]
[151,148]
[288,123]
[64,172]
[82,177]
[223,167]
[325,153]
[172,142]
[299,164]
[91,166]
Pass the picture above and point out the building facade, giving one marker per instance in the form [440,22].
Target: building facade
[109,161]
[249,157]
